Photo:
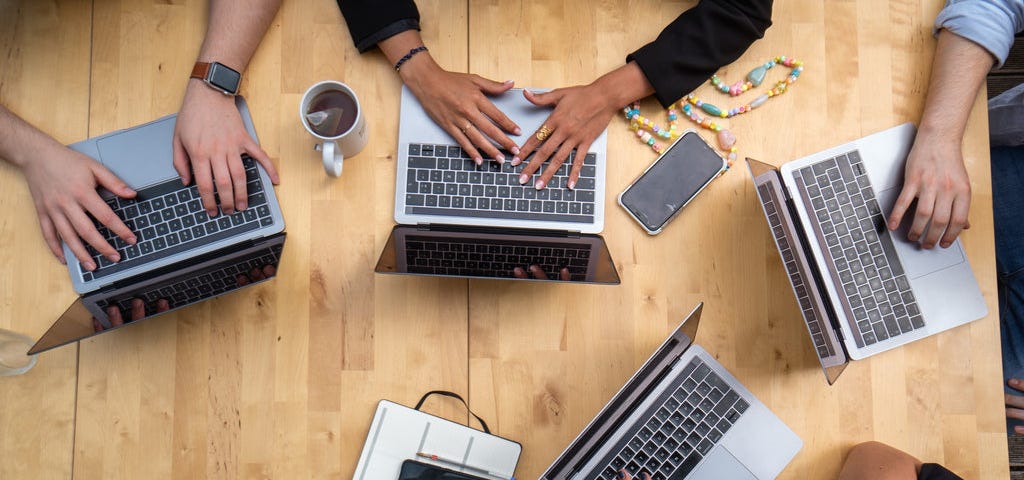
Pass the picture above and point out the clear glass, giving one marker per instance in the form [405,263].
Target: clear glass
[13,349]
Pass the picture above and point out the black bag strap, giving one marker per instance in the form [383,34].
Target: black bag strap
[457,397]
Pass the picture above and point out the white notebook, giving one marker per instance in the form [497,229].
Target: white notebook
[398,433]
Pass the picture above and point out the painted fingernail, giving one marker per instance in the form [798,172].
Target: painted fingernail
[90,266]
[500,158]
[523,179]
[478,161]
[539,185]
[132,240]
[242,206]
[572,184]
[515,150]
[510,81]
[518,131]
[114,257]
[516,160]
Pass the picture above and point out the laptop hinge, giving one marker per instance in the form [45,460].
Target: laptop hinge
[443,227]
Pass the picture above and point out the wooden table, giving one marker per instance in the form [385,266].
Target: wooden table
[280,381]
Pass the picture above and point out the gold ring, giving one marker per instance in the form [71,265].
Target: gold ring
[543,133]
[467,127]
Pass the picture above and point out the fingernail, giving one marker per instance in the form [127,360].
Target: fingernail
[211,213]
[132,240]
[621,474]
[539,185]
[242,206]
[500,158]
[517,131]
[1014,381]
[944,244]
[114,257]
[515,150]
[523,179]
[516,160]
[90,266]
[510,81]
[572,184]
[478,161]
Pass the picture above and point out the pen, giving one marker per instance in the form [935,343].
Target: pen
[453,463]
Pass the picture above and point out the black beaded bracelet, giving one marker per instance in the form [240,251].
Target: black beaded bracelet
[409,55]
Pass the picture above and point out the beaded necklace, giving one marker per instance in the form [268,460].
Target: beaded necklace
[647,131]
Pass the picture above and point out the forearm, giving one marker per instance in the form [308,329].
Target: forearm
[235,29]
[958,70]
[19,141]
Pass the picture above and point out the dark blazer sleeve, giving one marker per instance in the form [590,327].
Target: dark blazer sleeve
[699,42]
[372,21]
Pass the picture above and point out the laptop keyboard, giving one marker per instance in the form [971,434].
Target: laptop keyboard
[169,218]
[771,205]
[492,258]
[680,429]
[442,180]
[852,230]
[200,285]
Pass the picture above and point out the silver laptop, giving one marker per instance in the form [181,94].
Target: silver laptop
[861,289]
[176,236]
[460,219]
[437,183]
[682,415]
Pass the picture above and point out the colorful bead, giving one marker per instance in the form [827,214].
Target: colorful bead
[756,76]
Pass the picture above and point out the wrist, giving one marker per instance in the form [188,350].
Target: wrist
[418,68]
[623,86]
[198,90]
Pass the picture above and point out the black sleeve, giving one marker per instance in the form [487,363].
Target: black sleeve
[933,471]
[372,21]
[699,42]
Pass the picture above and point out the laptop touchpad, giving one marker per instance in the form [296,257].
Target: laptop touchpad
[721,464]
[917,261]
[140,156]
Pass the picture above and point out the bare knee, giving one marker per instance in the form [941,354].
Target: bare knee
[878,461]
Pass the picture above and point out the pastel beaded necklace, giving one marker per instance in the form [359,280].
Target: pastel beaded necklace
[647,131]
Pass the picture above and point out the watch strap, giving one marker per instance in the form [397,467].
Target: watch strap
[200,70]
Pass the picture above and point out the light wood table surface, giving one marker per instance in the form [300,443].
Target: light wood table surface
[280,380]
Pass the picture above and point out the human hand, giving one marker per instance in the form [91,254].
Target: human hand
[623,475]
[1015,403]
[935,176]
[209,135]
[63,183]
[539,274]
[255,275]
[137,312]
[458,103]
[581,114]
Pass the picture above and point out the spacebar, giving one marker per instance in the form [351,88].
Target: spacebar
[544,217]
[181,247]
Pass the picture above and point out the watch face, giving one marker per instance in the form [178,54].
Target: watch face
[224,78]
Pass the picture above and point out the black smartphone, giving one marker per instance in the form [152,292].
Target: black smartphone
[413,470]
[677,176]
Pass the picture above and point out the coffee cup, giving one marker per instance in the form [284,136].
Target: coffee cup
[330,111]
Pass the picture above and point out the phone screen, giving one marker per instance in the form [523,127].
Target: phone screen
[413,470]
[669,184]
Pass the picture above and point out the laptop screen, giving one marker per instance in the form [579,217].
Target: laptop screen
[806,285]
[472,252]
[167,290]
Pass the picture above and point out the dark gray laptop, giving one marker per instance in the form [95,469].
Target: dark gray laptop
[182,255]
[681,416]
[861,289]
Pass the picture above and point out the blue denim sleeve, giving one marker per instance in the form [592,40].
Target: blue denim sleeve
[989,23]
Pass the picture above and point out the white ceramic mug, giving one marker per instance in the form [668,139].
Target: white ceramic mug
[347,143]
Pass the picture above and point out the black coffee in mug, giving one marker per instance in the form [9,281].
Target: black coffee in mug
[332,113]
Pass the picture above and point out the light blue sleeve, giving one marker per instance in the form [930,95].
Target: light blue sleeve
[989,23]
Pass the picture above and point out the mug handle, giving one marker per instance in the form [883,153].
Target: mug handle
[333,158]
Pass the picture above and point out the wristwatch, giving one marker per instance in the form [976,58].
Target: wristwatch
[218,76]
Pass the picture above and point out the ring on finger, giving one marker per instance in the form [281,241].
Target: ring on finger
[543,133]
[468,124]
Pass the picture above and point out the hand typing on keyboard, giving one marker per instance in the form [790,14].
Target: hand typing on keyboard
[137,311]
[63,183]
[209,140]
[538,273]
[581,114]
[457,102]
[624,475]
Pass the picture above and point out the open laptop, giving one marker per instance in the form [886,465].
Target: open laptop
[861,289]
[452,213]
[182,255]
[682,415]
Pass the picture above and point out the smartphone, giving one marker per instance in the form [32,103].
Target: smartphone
[413,470]
[678,175]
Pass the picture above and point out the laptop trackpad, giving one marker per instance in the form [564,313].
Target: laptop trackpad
[917,261]
[140,156]
[720,464]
